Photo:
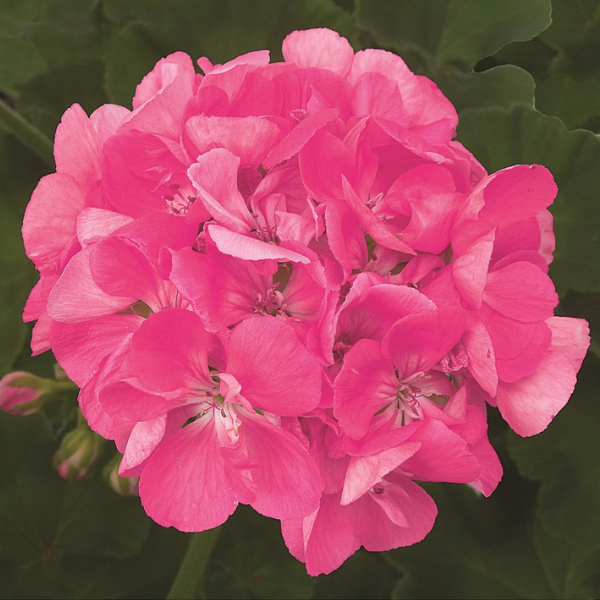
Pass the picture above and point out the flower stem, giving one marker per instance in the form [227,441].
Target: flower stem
[31,136]
[191,571]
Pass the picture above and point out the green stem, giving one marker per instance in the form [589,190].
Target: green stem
[31,136]
[191,572]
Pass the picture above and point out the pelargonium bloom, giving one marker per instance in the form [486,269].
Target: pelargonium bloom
[286,285]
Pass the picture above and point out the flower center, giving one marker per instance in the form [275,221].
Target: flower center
[177,201]
[407,398]
[272,303]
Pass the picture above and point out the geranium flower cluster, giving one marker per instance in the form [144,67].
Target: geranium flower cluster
[285,285]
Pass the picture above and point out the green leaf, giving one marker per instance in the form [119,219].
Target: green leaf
[500,138]
[45,98]
[250,560]
[575,33]
[147,30]
[501,86]
[459,31]
[574,101]
[20,59]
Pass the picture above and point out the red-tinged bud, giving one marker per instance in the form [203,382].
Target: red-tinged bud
[21,393]
[125,486]
[78,451]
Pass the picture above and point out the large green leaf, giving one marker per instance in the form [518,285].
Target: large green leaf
[459,31]
[574,101]
[501,86]
[20,59]
[500,138]
[575,33]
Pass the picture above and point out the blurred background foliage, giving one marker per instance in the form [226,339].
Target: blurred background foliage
[525,79]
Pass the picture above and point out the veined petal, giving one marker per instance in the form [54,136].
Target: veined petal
[169,352]
[280,457]
[418,341]
[529,404]
[366,384]
[275,370]
[321,48]
[184,483]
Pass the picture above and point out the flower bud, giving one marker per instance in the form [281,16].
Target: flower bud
[21,393]
[78,451]
[125,486]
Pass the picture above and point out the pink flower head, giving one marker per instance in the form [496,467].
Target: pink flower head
[285,285]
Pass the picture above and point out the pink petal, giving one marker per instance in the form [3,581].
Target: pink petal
[329,539]
[223,289]
[419,341]
[529,404]
[570,336]
[320,48]
[126,403]
[470,269]
[250,248]
[365,471]
[482,360]
[325,148]
[214,175]
[491,468]
[437,109]
[107,119]
[275,370]
[144,438]
[517,193]
[184,483]
[80,348]
[443,455]
[377,95]
[49,226]
[169,352]
[378,230]
[346,237]
[121,270]
[392,66]
[519,347]
[521,291]
[162,95]
[76,297]
[249,138]
[77,147]
[94,224]
[294,141]
[406,515]
[366,384]
[281,457]
[372,313]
